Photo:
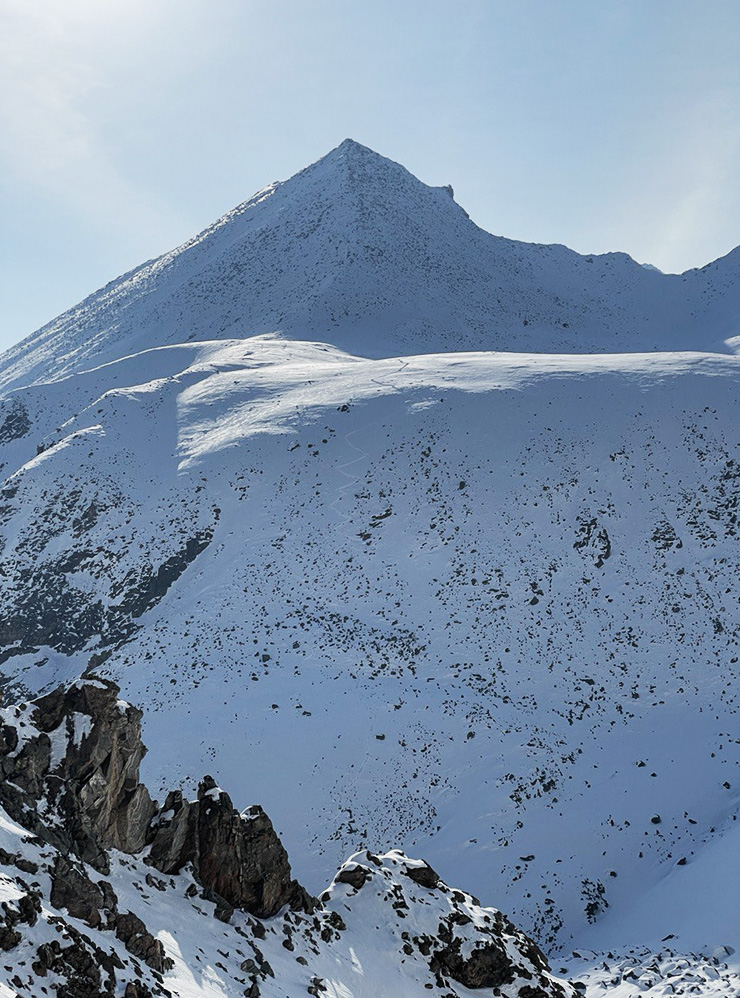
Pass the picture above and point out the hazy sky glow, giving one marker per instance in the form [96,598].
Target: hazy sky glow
[126,126]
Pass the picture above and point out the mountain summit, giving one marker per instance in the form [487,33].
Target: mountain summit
[356,251]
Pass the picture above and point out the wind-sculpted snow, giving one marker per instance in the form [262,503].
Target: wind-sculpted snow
[481,607]
[357,251]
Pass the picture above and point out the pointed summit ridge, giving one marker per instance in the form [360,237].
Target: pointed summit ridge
[351,149]
[364,168]
[356,251]
[352,146]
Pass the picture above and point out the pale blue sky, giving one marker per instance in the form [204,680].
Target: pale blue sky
[128,125]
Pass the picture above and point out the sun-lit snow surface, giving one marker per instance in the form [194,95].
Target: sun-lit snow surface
[479,606]
[482,607]
[356,251]
[360,954]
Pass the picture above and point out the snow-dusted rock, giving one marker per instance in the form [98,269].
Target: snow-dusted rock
[237,857]
[134,933]
[73,771]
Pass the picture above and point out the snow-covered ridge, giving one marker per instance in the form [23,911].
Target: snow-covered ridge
[107,894]
[356,251]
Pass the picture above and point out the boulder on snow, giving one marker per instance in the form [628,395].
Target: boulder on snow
[423,875]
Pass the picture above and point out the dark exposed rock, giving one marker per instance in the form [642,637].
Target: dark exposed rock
[43,604]
[8,739]
[94,787]
[79,964]
[45,608]
[16,423]
[15,859]
[140,942]
[237,857]
[29,907]
[137,989]
[489,964]
[423,875]
[9,937]
[665,537]
[223,910]
[593,539]
[356,876]
[23,911]
[73,890]
[534,991]
[175,831]
[143,592]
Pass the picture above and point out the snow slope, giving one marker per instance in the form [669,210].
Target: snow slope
[481,607]
[112,895]
[356,251]
[363,959]
[475,605]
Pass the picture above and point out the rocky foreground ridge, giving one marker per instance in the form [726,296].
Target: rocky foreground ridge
[104,892]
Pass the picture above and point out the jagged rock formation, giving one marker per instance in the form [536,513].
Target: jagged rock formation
[70,767]
[238,857]
[78,752]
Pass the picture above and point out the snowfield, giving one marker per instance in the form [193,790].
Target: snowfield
[479,606]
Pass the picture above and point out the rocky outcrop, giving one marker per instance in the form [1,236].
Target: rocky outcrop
[354,875]
[139,941]
[78,750]
[16,423]
[236,857]
[473,946]
[423,875]
[73,890]
[86,970]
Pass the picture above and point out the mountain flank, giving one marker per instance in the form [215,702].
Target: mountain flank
[82,826]
[424,538]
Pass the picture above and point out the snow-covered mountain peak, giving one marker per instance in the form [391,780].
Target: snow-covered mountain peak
[356,251]
[424,537]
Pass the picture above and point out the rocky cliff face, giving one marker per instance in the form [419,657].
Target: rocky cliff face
[78,751]
[70,772]
[237,857]
[103,897]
